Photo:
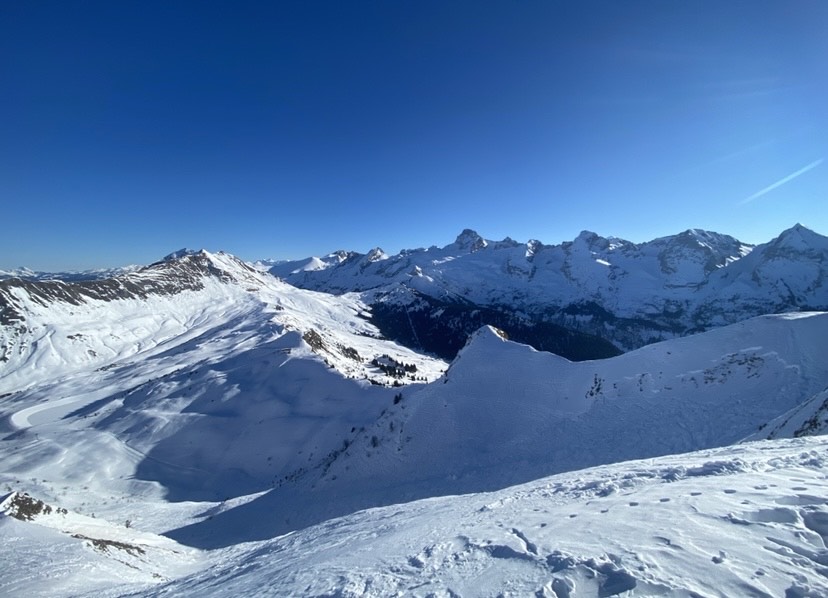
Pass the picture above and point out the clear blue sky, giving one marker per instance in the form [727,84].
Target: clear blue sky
[285,129]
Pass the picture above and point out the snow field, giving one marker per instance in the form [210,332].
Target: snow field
[216,419]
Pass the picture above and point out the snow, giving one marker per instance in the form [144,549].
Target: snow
[73,276]
[197,395]
[807,419]
[740,521]
[662,288]
[744,520]
[236,438]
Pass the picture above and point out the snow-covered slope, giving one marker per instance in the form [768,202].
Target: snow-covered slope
[547,414]
[506,414]
[199,378]
[49,550]
[749,520]
[628,293]
[808,419]
[172,415]
[51,328]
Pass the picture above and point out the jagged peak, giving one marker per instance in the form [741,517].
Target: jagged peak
[695,236]
[376,254]
[340,255]
[470,240]
[532,247]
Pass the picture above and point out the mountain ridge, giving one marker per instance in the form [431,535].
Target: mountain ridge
[506,414]
[202,413]
[627,293]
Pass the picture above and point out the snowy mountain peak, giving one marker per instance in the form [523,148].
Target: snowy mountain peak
[591,241]
[587,235]
[180,253]
[800,238]
[375,255]
[506,243]
[469,240]
[339,256]
[702,237]
[693,254]
[532,247]
[487,333]
[698,238]
[21,272]
[628,293]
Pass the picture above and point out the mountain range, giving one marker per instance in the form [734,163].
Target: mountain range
[205,425]
[629,294]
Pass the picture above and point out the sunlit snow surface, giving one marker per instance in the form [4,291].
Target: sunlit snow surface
[183,436]
[744,521]
[750,520]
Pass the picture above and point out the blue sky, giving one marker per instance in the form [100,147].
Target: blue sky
[284,129]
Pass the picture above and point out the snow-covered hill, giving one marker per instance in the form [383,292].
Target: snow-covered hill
[630,294]
[742,521]
[197,375]
[170,416]
[748,520]
[807,419]
[51,328]
[506,414]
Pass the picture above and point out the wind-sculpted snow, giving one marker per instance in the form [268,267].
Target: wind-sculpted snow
[630,294]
